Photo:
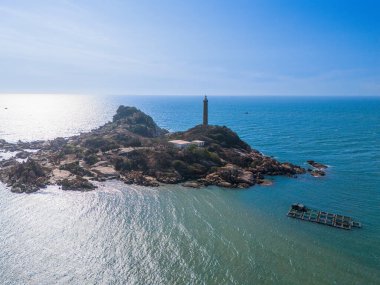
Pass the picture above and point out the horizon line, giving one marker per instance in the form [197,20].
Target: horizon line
[185,95]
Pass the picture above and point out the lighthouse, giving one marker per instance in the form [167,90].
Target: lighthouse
[205,111]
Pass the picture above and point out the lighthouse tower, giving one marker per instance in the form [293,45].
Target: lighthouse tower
[205,111]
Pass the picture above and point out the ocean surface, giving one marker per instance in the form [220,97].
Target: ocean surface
[120,234]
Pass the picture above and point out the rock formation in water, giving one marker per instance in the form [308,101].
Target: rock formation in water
[318,168]
[132,148]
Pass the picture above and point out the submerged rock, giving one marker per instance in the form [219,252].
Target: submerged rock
[265,182]
[191,184]
[319,169]
[317,173]
[316,164]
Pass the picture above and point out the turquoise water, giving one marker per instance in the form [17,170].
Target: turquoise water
[120,234]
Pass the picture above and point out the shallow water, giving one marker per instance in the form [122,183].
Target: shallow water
[120,234]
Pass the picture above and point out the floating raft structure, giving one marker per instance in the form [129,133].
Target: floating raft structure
[299,211]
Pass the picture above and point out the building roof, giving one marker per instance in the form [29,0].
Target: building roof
[180,142]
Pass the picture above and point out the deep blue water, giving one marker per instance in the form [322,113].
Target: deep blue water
[172,235]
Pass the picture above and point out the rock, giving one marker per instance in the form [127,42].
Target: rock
[107,172]
[101,163]
[318,170]
[23,154]
[125,151]
[23,188]
[168,177]
[151,181]
[191,184]
[316,164]
[76,184]
[317,173]
[25,177]
[231,176]
[265,182]
[289,169]
[245,177]
[57,144]
[137,177]
[243,185]
[75,169]
[8,162]
[58,174]
[137,122]
[224,184]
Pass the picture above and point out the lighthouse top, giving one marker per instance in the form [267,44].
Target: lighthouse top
[205,111]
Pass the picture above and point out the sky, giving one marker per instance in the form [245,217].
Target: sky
[214,47]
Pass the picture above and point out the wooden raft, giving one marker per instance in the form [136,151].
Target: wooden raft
[299,211]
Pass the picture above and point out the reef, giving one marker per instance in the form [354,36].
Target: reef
[134,149]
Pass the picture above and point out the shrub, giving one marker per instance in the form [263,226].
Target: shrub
[140,130]
[123,164]
[127,140]
[100,143]
[187,170]
[91,159]
[198,154]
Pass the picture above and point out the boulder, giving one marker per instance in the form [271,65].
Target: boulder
[75,168]
[58,174]
[76,184]
[137,177]
[317,173]
[316,164]
[191,184]
[224,184]
[231,176]
[168,177]
[23,188]
[26,177]
[265,182]
[23,154]
[246,177]
[107,172]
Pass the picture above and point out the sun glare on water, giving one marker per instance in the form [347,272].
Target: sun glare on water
[46,116]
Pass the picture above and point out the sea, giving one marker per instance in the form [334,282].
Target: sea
[122,234]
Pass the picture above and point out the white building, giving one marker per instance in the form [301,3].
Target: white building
[180,143]
[198,143]
[185,144]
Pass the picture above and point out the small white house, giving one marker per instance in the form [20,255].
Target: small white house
[185,144]
[180,143]
[198,143]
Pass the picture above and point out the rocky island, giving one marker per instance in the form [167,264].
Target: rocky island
[133,149]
